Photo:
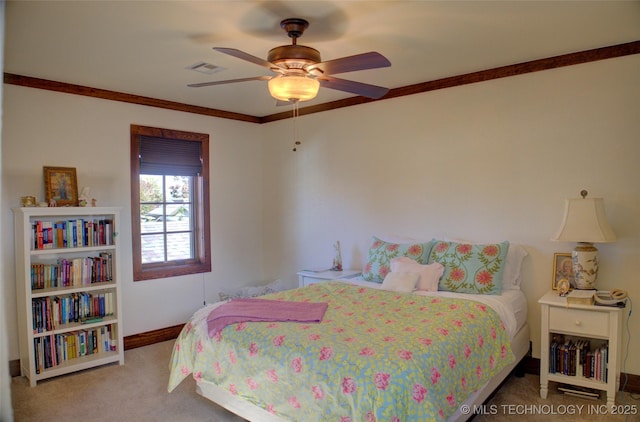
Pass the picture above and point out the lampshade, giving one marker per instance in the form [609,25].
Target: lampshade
[585,221]
[293,87]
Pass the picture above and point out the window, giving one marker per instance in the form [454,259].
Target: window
[169,202]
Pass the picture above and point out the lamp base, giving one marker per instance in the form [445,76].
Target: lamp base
[585,265]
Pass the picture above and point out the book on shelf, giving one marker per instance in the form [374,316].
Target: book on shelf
[72,233]
[581,297]
[55,349]
[72,272]
[576,357]
[57,311]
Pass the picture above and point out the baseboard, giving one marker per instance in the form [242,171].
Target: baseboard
[152,337]
[532,366]
[633,383]
[14,368]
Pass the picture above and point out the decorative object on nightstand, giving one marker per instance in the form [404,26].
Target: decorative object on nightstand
[562,270]
[585,222]
[581,297]
[337,261]
[308,277]
[563,287]
[579,345]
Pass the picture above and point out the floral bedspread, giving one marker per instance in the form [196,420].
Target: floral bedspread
[376,356]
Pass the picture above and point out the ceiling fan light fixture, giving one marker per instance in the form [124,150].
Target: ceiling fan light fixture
[293,87]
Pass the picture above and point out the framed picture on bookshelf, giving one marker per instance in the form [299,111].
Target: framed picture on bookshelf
[61,185]
[562,269]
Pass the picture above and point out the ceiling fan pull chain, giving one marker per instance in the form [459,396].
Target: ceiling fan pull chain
[296,136]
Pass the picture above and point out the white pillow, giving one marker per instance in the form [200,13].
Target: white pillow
[429,274]
[394,238]
[512,266]
[400,282]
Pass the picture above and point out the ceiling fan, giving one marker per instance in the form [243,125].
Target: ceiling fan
[300,71]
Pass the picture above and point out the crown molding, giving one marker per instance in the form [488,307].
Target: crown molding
[548,63]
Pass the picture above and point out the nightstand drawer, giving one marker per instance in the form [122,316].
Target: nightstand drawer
[579,321]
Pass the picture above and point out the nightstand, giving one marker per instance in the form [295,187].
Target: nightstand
[572,324]
[306,278]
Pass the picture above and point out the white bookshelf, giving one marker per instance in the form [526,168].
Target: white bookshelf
[100,321]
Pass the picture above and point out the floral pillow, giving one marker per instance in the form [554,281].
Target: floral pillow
[381,253]
[470,268]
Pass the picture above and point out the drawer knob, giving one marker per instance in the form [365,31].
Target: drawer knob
[578,322]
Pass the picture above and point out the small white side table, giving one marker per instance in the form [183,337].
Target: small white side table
[580,321]
[306,278]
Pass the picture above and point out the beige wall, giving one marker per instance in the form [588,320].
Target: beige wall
[44,128]
[488,161]
[6,411]
[484,162]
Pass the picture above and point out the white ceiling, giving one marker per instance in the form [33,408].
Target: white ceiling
[143,47]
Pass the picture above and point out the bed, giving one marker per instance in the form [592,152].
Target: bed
[376,354]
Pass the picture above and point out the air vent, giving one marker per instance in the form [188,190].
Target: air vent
[206,68]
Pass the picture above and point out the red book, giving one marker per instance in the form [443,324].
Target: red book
[39,235]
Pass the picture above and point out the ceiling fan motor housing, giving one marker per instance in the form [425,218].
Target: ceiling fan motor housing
[293,56]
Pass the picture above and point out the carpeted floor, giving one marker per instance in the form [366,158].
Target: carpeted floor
[137,391]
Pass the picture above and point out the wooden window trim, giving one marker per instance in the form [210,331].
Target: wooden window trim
[202,214]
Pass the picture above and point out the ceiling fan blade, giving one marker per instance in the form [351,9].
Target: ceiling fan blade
[230,81]
[248,57]
[358,88]
[371,60]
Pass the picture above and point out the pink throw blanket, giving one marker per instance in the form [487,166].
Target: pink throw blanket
[242,310]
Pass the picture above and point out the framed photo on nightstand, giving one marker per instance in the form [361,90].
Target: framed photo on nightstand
[562,269]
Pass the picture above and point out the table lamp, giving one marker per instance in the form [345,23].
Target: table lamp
[585,222]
